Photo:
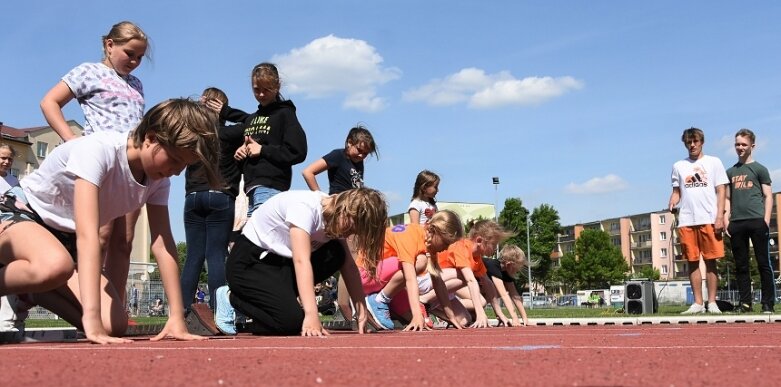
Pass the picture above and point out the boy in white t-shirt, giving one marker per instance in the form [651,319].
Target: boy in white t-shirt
[699,190]
[86,183]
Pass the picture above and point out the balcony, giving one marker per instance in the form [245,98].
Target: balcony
[640,245]
[642,261]
[641,228]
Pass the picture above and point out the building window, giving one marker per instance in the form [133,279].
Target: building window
[42,148]
[663,235]
[663,253]
[662,219]
[664,270]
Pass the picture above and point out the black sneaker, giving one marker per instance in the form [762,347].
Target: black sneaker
[767,309]
[744,308]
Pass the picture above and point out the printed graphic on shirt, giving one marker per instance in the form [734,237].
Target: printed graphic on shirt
[258,125]
[399,228]
[742,182]
[356,178]
[698,179]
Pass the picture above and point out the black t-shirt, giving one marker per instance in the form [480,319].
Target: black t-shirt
[494,268]
[343,174]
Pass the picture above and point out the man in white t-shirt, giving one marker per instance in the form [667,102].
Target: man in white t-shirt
[699,190]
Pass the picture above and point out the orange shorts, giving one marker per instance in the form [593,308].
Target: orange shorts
[702,239]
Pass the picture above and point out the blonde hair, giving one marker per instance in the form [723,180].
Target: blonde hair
[366,211]
[425,179]
[447,226]
[184,124]
[513,254]
[123,32]
[489,230]
[10,148]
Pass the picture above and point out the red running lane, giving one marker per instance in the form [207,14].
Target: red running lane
[680,355]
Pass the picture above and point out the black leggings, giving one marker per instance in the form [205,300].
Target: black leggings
[265,289]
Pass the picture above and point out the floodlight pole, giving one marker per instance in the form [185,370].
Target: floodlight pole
[529,260]
[495,180]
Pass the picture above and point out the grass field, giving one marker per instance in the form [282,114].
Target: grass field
[568,312]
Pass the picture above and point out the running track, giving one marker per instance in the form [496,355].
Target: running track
[656,355]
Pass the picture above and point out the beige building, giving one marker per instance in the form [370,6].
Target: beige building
[649,239]
[466,211]
[33,145]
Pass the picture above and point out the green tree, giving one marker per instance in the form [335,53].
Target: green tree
[545,227]
[649,272]
[513,218]
[181,256]
[542,234]
[596,263]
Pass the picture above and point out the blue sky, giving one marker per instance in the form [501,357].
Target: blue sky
[577,104]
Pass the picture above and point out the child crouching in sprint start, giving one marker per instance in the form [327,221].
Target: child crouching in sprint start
[291,242]
[409,267]
[86,183]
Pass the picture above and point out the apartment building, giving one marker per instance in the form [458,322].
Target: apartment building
[649,239]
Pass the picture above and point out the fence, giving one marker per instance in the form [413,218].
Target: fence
[148,291]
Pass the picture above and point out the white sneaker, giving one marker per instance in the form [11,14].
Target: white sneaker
[696,309]
[713,308]
[13,312]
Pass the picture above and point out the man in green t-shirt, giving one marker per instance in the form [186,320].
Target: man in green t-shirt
[749,204]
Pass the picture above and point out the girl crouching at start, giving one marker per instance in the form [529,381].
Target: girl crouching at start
[291,242]
[409,263]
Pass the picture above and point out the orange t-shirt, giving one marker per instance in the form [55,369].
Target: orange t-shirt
[459,255]
[404,241]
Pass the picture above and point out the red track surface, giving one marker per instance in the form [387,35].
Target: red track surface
[663,355]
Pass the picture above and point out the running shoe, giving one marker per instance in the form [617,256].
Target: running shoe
[224,313]
[380,312]
[695,309]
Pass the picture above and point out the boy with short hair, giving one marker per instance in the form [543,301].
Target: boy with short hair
[748,207]
[699,185]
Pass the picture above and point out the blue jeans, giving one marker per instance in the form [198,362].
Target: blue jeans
[208,222]
[258,196]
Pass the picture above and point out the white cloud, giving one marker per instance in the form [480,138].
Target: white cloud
[483,91]
[331,65]
[598,185]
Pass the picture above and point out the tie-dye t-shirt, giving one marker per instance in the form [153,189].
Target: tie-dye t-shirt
[109,102]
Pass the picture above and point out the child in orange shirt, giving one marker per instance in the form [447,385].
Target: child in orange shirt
[462,268]
[407,264]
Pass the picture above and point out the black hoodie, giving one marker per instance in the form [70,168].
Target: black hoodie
[283,144]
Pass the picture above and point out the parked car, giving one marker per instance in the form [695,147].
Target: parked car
[541,302]
[568,300]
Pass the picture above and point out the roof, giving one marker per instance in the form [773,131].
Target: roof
[8,131]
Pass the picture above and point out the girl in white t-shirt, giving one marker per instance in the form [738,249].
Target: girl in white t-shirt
[86,183]
[291,242]
[423,204]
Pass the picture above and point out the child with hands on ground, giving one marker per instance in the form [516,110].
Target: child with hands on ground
[462,268]
[409,263]
[53,220]
[502,273]
[291,242]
